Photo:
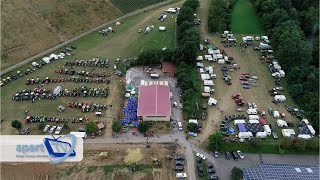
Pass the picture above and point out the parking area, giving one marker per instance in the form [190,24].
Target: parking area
[224,166]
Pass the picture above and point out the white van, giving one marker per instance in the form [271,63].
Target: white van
[180,126]
[267,129]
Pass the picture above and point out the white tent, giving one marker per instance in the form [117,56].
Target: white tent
[205,77]
[79,134]
[304,136]
[237,121]
[253,117]
[208,57]
[209,68]
[280,98]
[206,89]
[261,134]
[221,61]
[287,132]
[282,123]
[210,51]
[245,135]
[193,121]
[162,28]
[212,101]
[311,129]
[276,114]
[208,83]
[254,121]
[199,58]
[252,111]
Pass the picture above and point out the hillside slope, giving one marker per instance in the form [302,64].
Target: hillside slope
[29,27]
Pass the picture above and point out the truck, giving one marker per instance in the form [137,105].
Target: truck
[267,129]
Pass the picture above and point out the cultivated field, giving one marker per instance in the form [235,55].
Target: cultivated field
[128,6]
[126,42]
[244,19]
[115,165]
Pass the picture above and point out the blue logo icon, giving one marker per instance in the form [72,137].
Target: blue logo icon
[60,150]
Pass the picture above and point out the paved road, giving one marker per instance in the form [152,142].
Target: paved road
[46,52]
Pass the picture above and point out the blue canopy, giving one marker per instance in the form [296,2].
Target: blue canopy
[241,127]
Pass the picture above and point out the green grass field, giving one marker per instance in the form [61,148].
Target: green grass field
[244,19]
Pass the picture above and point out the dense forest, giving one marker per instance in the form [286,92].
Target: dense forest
[183,57]
[219,18]
[293,26]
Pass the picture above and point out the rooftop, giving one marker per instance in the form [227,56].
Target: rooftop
[168,67]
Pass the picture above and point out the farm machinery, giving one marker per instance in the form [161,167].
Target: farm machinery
[42,118]
[81,73]
[238,99]
[87,107]
[95,62]
[72,79]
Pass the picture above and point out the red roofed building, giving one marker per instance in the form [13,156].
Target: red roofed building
[168,69]
[154,103]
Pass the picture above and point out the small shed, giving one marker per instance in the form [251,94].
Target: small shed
[168,69]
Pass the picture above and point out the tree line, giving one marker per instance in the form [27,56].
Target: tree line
[219,18]
[183,57]
[293,26]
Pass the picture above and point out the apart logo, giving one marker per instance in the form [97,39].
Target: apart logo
[36,148]
[60,150]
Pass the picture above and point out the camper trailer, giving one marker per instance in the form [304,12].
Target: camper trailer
[267,129]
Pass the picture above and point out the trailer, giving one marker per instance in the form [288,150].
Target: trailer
[267,129]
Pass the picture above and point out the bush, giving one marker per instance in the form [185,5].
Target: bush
[116,126]
[144,127]
[16,124]
[41,126]
[193,127]
[91,127]
[236,173]
[215,141]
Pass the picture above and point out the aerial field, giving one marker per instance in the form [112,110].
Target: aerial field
[125,42]
[244,19]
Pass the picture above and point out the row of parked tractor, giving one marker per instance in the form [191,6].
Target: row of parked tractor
[80,73]
[95,62]
[72,79]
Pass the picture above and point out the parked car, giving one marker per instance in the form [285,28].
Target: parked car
[59,129]
[212,177]
[274,134]
[235,155]
[178,157]
[228,155]
[179,163]
[52,129]
[179,168]
[201,156]
[46,128]
[181,175]
[216,153]
[240,154]
[210,168]
[200,169]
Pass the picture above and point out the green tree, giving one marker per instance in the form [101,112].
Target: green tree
[236,173]
[16,124]
[185,14]
[116,126]
[193,127]
[215,141]
[144,127]
[296,90]
[91,127]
